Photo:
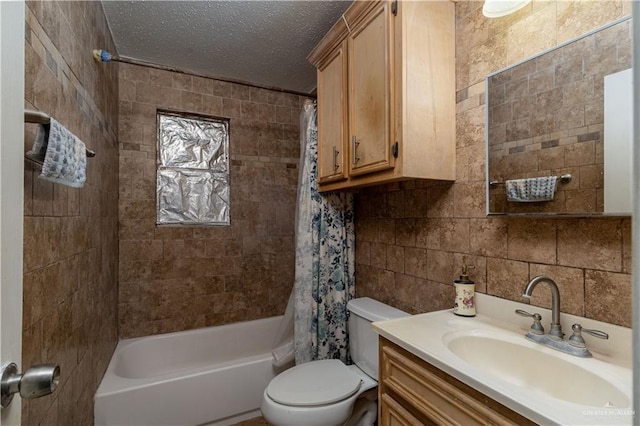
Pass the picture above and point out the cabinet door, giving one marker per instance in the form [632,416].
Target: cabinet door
[393,414]
[370,96]
[332,116]
[434,397]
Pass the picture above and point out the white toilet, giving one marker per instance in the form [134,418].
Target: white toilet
[327,392]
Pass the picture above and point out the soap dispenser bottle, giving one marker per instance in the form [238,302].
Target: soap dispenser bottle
[465,304]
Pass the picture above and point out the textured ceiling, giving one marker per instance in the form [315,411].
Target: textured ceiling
[260,42]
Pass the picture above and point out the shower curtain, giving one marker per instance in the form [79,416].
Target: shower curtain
[324,269]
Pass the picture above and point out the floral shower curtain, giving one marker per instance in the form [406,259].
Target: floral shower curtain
[325,258]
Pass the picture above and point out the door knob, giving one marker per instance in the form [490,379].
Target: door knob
[36,381]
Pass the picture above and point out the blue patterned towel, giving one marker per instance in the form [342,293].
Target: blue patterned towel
[531,190]
[63,155]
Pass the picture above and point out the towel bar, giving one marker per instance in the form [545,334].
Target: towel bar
[566,178]
[39,117]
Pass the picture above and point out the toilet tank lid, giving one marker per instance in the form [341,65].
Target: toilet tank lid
[373,310]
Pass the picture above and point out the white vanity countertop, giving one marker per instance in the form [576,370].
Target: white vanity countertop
[427,336]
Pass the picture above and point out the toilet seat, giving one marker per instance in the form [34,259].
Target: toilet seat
[314,383]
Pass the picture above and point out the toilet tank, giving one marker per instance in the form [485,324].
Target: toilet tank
[363,342]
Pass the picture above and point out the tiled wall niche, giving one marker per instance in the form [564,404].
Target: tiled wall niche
[70,235]
[546,117]
[412,238]
[178,278]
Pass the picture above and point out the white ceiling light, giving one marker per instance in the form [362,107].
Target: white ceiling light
[498,8]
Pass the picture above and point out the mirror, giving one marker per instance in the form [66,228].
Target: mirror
[547,125]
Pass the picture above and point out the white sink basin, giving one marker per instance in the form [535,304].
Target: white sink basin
[529,367]
[490,353]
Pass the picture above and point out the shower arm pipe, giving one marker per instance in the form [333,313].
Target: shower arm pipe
[39,117]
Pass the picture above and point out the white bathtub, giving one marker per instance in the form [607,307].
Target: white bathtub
[213,375]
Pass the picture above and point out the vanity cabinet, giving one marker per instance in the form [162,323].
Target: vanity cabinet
[386,94]
[413,392]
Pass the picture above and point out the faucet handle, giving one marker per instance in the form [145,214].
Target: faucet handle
[577,328]
[576,338]
[596,333]
[536,327]
[527,314]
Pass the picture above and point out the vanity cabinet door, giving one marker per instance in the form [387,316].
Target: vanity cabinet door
[393,414]
[432,396]
[332,116]
[370,77]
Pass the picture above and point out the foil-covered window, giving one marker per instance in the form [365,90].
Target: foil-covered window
[193,170]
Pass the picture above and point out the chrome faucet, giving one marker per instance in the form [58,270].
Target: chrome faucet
[556,329]
[575,345]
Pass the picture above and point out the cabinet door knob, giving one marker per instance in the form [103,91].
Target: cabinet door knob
[336,166]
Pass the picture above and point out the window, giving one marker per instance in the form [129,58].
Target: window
[193,170]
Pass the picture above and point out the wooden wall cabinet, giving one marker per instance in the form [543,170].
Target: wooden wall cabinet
[370,78]
[386,94]
[332,116]
[413,392]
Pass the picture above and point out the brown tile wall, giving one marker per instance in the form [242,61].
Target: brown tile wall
[178,278]
[70,235]
[412,238]
[546,117]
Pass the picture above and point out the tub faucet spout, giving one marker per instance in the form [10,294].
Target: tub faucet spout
[556,329]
